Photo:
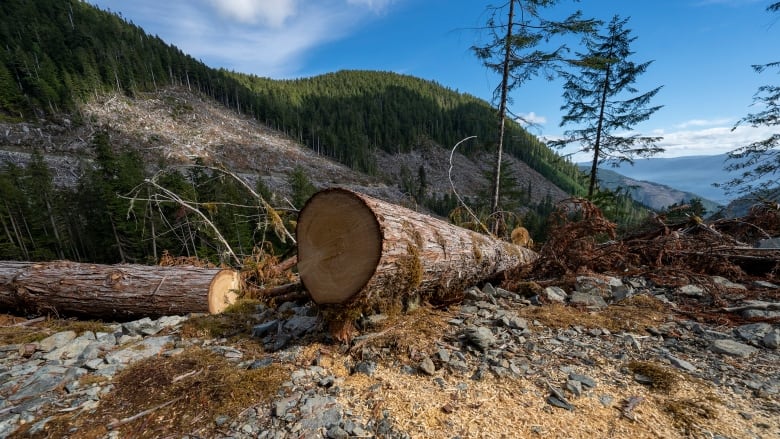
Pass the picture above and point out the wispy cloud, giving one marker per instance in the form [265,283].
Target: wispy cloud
[270,13]
[704,123]
[265,37]
[680,142]
[531,119]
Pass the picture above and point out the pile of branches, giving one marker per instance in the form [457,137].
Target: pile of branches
[670,253]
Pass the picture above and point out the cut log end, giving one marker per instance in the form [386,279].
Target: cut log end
[223,290]
[339,245]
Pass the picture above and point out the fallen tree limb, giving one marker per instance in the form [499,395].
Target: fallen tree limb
[116,291]
[281,290]
[356,250]
[755,306]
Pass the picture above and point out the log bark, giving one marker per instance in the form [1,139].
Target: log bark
[355,249]
[114,291]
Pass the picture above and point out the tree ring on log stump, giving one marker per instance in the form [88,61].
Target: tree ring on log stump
[339,245]
[223,291]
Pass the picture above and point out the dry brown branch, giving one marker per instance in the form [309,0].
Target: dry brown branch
[280,290]
[123,421]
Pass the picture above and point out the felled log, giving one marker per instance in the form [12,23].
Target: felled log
[114,291]
[356,250]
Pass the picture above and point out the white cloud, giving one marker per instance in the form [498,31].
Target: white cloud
[374,5]
[271,13]
[704,123]
[264,37]
[531,119]
[710,140]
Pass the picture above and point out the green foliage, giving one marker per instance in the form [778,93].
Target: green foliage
[619,207]
[302,188]
[759,162]
[57,53]
[602,101]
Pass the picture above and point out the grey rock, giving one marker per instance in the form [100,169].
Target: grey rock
[733,348]
[772,339]
[513,321]
[555,294]
[643,379]
[365,367]
[592,286]
[427,366]
[263,328]
[480,336]
[488,290]
[169,321]
[281,406]
[70,350]
[94,364]
[606,400]
[760,314]
[299,325]
[621,292]
[145,348]
[753,331]
[9,425]
[574,386]
[336,432]
[691,291]
[444,355]
[500,292]
[261,363]
[584,379]
[681,364]
[590,301]
[57,340]
[559,402]
[722,281]
[135,327]
[765,284]
[45,379]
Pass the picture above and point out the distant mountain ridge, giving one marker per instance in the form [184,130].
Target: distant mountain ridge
[654,195]
[694,174]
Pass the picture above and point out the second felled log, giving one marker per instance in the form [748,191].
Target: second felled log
[114,291]
[356,249]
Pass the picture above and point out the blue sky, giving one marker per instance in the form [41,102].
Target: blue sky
[702,51]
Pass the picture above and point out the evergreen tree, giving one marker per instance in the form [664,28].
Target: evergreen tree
[759,160]
[602,101]
[302,188]
[516,52]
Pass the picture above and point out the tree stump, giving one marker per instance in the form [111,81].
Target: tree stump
[114,291]
[359,251]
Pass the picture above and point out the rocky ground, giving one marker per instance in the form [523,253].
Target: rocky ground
[610,358]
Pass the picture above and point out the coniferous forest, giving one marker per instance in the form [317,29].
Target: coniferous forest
[57,54]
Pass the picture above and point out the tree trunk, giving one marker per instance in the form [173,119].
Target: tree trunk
[114,291]
[358,251]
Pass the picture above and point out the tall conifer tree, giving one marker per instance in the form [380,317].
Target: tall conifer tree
[603,103]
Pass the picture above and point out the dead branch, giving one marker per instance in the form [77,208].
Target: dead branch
[455,191]
[755,306]
[121,422]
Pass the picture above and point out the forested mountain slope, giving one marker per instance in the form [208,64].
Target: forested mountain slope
[103,106]
[59,53]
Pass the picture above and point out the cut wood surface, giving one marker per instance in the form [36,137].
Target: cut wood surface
[119,291]
[353,247]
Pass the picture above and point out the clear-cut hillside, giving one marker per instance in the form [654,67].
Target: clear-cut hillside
[175,127]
